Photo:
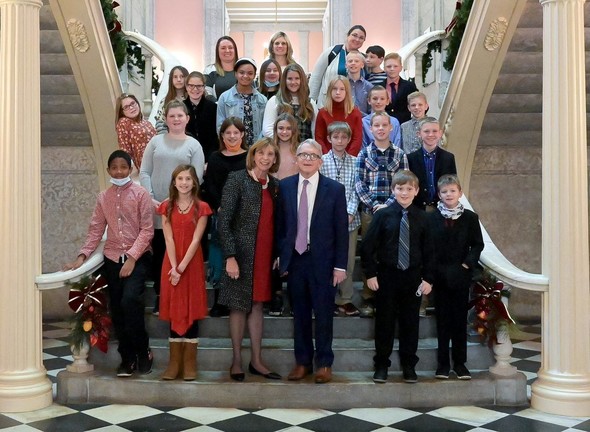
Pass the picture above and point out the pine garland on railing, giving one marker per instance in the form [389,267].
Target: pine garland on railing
[433,46]
[456,36]
[125,50]
[456,30]
[118,42]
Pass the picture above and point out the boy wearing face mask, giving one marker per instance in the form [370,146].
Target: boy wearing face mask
[125,210]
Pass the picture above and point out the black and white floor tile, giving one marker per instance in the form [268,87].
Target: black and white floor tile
[103,418]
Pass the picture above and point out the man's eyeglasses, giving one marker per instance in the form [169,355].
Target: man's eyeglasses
[308,156]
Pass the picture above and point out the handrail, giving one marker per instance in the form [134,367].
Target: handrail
[58,279]
[502,268]
[411,48]
[168,62]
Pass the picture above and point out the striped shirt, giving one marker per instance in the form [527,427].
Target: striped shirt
[343,170]
[375,170]
[127,214]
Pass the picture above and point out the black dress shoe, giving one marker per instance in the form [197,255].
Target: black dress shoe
[409,374]
[380,375]
[270,375]
[237,376]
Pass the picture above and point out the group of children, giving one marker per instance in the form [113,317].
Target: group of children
[416,235]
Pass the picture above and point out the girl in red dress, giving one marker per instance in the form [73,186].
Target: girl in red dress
[183,299]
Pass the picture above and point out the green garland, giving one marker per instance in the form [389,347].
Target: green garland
[455,37]
[125,50]
[118,41]
[427,57]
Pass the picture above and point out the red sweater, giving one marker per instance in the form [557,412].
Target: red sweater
[354,120]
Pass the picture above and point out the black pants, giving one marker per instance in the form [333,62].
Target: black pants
[127,306]
[396,300]
[159,248]
[451,322]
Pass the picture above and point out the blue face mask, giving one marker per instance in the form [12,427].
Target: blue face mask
[120,182]
[271,84]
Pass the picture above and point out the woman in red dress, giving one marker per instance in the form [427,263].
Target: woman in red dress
[246,232]
[183,299]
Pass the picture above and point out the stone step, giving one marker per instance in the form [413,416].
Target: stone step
[46,19]
[517,62]
[65,138]
[501,137]
[527,40]
[282,327]
[64,122]
[61,104]
[55,64]
[347,390]
[532,15]
[51,42]
[512,122]
[516,103]
[350,355]
[519,83]
[58,85]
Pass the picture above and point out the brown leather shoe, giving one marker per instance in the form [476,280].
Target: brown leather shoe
[323,375]
[298,372]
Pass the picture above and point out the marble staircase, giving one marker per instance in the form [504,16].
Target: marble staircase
[352,385]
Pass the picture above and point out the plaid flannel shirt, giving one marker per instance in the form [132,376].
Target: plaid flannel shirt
[374,171]
[347,177]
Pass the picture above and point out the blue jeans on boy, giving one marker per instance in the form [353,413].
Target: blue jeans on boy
[127,306]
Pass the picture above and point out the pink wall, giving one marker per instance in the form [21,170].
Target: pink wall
[178,30]
[181,33]
[261,40]
[381,22]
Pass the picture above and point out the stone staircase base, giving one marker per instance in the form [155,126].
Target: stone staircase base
[347,390]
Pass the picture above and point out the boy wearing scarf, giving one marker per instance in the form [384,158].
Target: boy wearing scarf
[458,242]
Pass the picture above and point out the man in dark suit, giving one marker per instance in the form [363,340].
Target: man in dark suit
[429,163]
[397,88]
[312,238]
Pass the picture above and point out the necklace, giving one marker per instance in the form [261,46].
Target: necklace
[338,168]
[184,210]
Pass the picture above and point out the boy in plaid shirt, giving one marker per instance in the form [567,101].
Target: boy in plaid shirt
[340,166]
[375,166]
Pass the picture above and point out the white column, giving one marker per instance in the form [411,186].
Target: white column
[563,386]
[214,22]
[23,382]
[249,47]
[303,56]
[341,19]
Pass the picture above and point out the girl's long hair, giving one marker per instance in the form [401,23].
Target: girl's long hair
[119,107]
[294,127]
[283,96]
[218,65]
[262,88]
[348,103]
[283,35]
[171,89]
[173,192]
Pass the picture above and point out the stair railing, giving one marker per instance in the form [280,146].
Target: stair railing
[167,61]
[59,279]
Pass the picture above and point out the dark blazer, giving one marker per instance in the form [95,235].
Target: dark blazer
[238,222]
[457,242]
[328,229]
[398,108]
[380,245]
[445,164]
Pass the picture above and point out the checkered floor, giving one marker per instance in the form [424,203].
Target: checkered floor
[56,355]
